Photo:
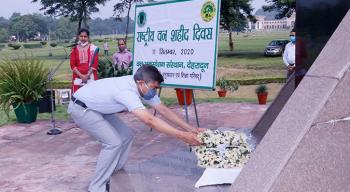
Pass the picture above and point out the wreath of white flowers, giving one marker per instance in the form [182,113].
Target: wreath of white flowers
[227,149]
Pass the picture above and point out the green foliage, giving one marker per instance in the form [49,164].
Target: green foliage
[66,29]
[257,81]
[234,13]
[53,44]
[106,69]
[124,6]
[22,81]
[4,36]
[224,84]
[16,46]
[284,8]
[79,11]
[32,46]
[43,42]
[2,46]
[28,26]
[9,45]
[261,89]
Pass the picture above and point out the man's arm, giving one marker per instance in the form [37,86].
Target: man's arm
[285,55]
[164,127]
[115,60]
[174,118]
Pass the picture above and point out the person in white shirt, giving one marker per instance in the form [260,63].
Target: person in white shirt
[95,108]
[106,48]
[289,54]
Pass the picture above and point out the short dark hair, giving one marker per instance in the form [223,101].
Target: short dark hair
[121,40]
[148,73]
[84,30]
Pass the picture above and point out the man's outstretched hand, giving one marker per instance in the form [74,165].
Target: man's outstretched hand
[190,138]
[198,130]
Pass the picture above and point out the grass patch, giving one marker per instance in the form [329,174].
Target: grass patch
[60,113]
[247,58]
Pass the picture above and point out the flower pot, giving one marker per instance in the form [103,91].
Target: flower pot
[180,96]
[222,93]
[26,113]
[262,97]
[44,104]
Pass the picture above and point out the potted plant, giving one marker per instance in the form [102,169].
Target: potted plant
[180,96]
[225,86]
[262,93]
[22,83]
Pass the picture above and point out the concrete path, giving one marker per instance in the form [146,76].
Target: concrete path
[31,161]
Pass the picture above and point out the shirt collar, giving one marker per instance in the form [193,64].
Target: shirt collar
[134,85]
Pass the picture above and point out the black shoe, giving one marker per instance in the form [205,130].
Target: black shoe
[107,186]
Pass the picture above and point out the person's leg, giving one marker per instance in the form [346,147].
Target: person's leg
[127,137]
[289,73]
[103,131]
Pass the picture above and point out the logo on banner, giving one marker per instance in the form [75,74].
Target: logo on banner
[208,11]
[141,19]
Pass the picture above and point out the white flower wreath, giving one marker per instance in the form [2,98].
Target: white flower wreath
[226,149]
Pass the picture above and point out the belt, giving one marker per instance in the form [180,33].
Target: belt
[80,103]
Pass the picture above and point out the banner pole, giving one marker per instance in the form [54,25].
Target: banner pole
[195,107]
[185,104]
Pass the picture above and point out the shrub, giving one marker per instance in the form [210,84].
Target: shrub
[43,42]
[261,89]
[9,45]
[224,84]
[16,46]
[53,44]
[106,69]
[22,81]
[32,46]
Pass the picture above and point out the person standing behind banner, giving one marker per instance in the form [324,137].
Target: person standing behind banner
[106,48]
[289,54]
[122,58]
[83,61]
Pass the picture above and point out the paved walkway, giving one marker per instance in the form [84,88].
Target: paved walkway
[31,161]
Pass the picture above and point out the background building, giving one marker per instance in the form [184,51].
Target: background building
[267,21]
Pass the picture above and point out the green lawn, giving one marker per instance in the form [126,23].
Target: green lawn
[245,62]
[60,113]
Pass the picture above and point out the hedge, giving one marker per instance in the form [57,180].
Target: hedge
[261,81]
[32,46]
[53,44]
[16,46]
[68,84]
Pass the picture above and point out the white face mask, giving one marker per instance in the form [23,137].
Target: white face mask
[83,44]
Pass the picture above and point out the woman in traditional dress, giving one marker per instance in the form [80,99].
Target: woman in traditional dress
[83,61]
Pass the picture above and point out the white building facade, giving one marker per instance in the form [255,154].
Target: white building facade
[272,24]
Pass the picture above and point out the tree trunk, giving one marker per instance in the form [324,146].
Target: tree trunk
[79,27]
[85,22]
[230,40]
[127,23]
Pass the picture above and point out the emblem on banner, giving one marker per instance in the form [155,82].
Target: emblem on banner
[141,19]
[208,11]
